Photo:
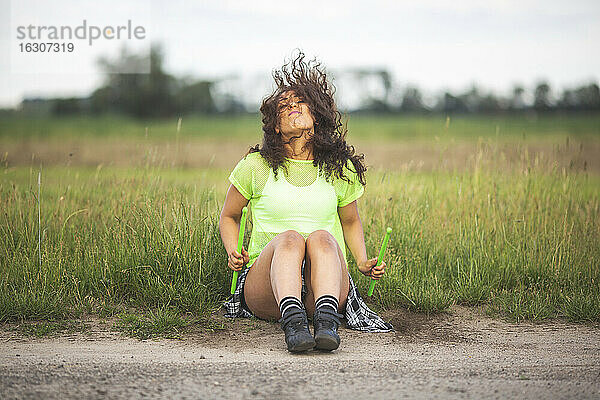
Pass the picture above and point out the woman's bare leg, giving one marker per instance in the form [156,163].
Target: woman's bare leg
[325,270]
[275,274]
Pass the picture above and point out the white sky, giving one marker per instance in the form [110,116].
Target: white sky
[433,44]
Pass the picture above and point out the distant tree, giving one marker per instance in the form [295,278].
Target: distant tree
[489,104]
[449,104]
[583,98]
[588,97]
[195,98]
[365,79]
[36,106]
[376,105]
[386,81]
[139,94]
[412,100]
[517,102]
[471,99]
[567,101]
[541,101]
[102,100]
[71,105]
[231,104]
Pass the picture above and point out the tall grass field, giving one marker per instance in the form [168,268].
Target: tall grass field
[522,242]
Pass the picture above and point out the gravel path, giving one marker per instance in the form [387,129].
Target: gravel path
[460,355]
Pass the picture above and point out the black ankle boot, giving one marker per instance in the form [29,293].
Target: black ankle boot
[326,323]
[297,335]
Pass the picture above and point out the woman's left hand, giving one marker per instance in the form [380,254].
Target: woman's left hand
[368,268]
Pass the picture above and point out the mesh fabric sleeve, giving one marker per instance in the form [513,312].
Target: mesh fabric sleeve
[241,177]
[350,191]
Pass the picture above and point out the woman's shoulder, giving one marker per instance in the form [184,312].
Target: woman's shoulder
[250,158]
[349,172]
[254,162]
[253,155]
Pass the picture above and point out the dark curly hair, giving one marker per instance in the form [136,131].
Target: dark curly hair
[330,150]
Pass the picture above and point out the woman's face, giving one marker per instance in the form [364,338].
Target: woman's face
[294,115]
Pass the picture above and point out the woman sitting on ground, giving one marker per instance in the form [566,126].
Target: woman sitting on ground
[302,186]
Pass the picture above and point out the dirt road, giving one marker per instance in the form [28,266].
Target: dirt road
[461,355]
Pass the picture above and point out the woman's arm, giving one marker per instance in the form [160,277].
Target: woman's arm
[229,226]
[354,237]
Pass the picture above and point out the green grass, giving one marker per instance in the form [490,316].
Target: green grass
[525,243]
[522,241]
[51,327]
[113,239]
[163,322]
[111,126]
[470,128]
[361,127]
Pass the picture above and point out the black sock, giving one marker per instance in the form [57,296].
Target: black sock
[327,300]
[289,304]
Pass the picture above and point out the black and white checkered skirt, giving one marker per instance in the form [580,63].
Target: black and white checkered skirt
[358,316]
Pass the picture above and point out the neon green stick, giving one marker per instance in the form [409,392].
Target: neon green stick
[381,252]
[239,248]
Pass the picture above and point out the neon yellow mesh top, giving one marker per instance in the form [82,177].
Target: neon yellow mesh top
[302,200]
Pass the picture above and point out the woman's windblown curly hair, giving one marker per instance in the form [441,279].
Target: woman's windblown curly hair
[330,150]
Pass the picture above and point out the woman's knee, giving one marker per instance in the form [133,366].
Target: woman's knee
[291,240]
[321,240]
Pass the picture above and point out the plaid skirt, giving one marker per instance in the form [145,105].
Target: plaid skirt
[357,315]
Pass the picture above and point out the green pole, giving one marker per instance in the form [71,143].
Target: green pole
[381,252]
[240,244]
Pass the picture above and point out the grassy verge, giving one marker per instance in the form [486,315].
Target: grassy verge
[525,243]
[50,327]
[361,127]
[159,323]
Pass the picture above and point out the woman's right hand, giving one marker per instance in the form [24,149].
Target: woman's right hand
[237,260]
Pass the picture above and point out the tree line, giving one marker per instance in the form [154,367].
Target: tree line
[160,94]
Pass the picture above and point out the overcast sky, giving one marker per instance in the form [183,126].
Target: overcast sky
[433,44]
